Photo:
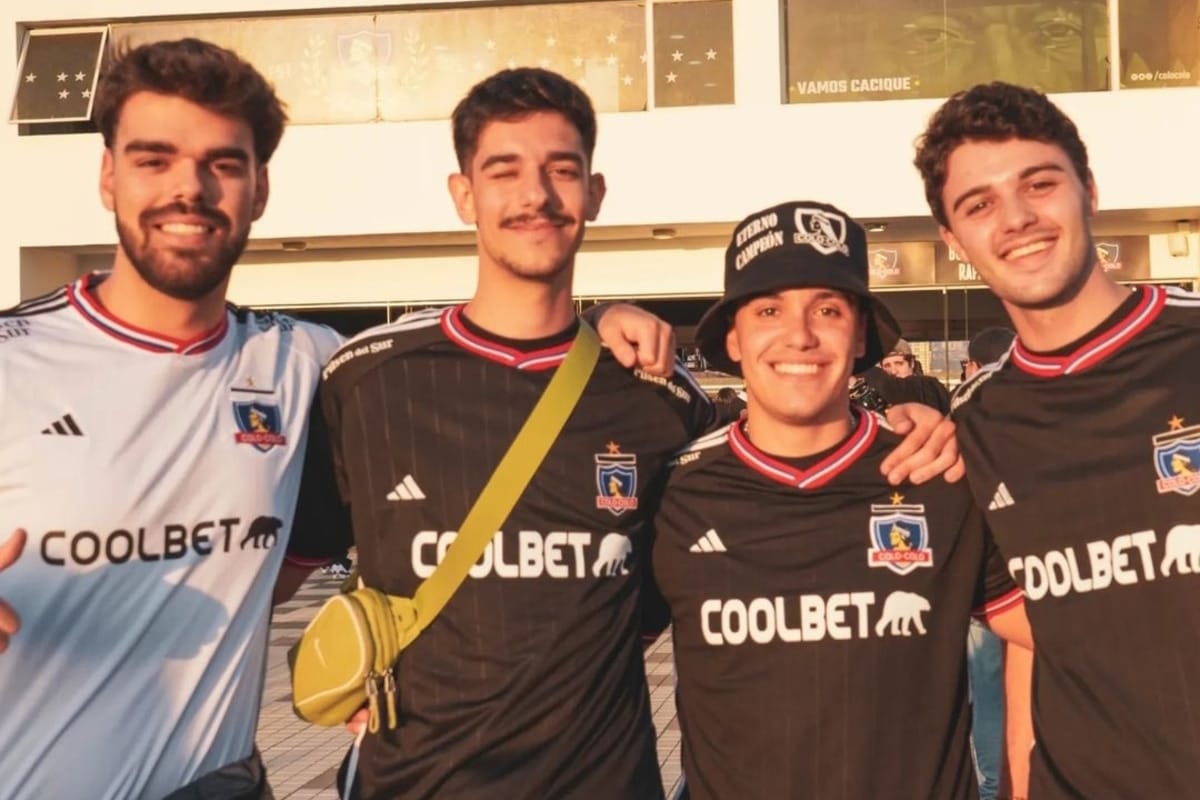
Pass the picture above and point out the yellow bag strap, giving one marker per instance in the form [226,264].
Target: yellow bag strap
[507,483]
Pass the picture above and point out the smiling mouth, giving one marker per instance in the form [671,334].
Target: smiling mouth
[795,369]
[185,228]
[1029,249]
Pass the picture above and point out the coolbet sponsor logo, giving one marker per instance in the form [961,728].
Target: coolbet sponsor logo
[811,618]
[616,480]
[153,543]
[1103,564]
[558,554]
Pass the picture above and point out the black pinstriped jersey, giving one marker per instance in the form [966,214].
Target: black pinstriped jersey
[161,483]
[819,617]
[1088,463]
[530,684]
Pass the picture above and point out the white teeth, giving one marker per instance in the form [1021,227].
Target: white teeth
[1029,249]
[183,228]
[796,369]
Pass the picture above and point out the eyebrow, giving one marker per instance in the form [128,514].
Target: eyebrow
[510,158]
[166,148]
[1025,173]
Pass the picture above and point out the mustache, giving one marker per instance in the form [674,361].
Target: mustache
[552,217]
[215,217]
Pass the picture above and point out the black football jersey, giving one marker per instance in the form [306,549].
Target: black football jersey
[530,683]
[820,619]
[1088,463]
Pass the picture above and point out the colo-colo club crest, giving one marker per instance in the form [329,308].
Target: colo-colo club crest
[258,424]
[616,480]
[899,537]
[1177,458]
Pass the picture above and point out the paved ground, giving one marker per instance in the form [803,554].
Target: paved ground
[302,759]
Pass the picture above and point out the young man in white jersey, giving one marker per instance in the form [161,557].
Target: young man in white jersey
[159,458]
[1083,446]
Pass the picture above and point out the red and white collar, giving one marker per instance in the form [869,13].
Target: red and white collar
[81,295]
[1099,346]
[458,332]
[818,474]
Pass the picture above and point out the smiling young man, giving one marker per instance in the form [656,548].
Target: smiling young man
[158,452]
[818,612]
[1083,445]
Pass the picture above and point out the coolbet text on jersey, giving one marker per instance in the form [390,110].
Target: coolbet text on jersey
[530,683]
[158,483]
[1088,463]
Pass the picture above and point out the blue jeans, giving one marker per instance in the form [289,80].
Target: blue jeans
[985,667]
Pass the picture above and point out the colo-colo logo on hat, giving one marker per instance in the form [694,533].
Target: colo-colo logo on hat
[823,230]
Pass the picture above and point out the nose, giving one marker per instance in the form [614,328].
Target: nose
[800,332]
[537,192]
[190,182]
[1016,213]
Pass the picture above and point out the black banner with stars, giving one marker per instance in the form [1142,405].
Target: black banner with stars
[693,53]
[57,75]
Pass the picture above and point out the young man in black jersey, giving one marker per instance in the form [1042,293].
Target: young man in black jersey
[819,613]
[530,683]
[1083,446]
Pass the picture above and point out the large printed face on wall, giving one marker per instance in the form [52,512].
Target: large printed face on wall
[932,48]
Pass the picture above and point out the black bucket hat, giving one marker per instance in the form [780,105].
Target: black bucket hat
[793,245]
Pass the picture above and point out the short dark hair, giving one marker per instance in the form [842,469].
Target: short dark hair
[993,112]
[204,73]
[514,93]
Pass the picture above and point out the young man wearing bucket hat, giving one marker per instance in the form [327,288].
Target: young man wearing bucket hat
[818,611]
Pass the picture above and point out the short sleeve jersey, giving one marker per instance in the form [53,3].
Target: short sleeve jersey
[158,481]
[820,619]
[530,683]
[1088,463]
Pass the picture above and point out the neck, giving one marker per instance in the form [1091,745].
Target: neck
[126,296]
[518,308]
[790,440]
[1046,329]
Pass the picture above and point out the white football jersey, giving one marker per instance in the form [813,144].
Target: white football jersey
[158,482]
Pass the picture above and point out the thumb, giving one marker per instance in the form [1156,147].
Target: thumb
[11,550]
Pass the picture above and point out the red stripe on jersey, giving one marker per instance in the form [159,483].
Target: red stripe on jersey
[820,473]
[546,358]
[80,295]
[1099,347]
[1005,602]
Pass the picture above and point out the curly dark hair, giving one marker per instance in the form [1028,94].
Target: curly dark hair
[514,93]
[992,112]
[207,75]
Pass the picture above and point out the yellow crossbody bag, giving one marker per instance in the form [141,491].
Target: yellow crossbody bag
[345,656]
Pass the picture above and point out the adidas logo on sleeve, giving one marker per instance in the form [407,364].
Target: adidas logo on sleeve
[710,542]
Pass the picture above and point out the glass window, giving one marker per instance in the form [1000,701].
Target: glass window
[889,49]
[56,77]
[1160,43]
[693,53]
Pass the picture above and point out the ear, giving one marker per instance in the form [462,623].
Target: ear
[463,195]
[106,180]
[262,190]
[732,346]
[596,189]
[860,336]
[1093,194]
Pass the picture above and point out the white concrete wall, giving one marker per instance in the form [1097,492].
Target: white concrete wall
[669,166]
